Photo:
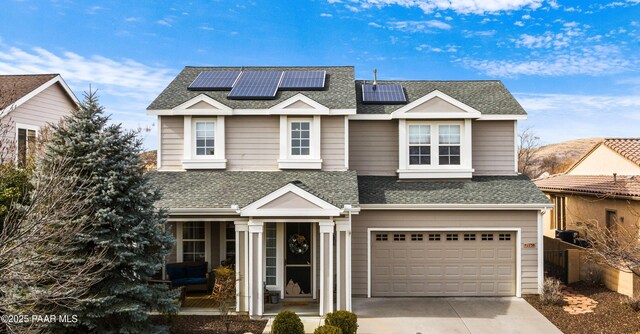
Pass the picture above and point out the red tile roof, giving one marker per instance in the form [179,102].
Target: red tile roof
[627,147]
[599,185]
[14,87]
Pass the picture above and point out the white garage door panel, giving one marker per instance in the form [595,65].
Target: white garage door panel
[418,264]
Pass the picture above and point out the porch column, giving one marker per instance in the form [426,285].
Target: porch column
[326,266]
[242,265]
[343,265]
[256,268]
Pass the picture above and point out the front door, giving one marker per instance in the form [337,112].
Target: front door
[298,255]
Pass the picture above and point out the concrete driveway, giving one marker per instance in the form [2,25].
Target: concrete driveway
[449,315]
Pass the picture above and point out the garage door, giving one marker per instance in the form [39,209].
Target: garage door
[443,264]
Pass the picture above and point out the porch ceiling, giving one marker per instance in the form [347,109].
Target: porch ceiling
[222,189]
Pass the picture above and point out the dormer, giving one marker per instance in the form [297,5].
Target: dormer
[435,137]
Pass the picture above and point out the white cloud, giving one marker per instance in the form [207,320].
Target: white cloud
[519,23]
[593,61]
[126,87]
[93,10]
[526,17]
[481,33]
[133,19]
[325,15]
[459,6]
[165,22]
[450,48]
[550,39]
[376,25]
[418,26]
[588,115]
[352,8]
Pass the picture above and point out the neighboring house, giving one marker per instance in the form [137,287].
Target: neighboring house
[602,187]
[28,103]
[330,184]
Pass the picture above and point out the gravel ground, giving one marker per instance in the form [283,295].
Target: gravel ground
[187,324]
[610,316]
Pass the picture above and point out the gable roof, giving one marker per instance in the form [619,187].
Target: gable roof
[19,88]
[516,190]
[629,148]
[598,185]
[626,147]
[489,97]
[337,94]
[222,189]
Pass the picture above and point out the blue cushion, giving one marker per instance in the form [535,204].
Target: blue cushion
[180,282]
[176,272]
[197,271]
[196,281]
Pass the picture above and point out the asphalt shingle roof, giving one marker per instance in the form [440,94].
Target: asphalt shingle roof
[14,87]
[221,189]
[337,94]
[603,185]
[489,97]
[478,190]
[627,147]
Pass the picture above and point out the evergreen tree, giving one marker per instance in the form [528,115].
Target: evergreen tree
[122,222]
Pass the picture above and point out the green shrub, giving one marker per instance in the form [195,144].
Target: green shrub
[551,292]
[327,329]
[287,322]
[345,320]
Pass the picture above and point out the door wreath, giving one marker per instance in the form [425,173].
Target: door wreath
[298,244]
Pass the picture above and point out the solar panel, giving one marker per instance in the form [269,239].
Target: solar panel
[214,80]
[303,79]
[256,85]
[383,93]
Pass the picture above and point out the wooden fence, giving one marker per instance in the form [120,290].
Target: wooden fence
[580,268]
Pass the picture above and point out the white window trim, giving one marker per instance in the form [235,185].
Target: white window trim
[207,242]
[288,161]
[191,160]
[223,240]
[27,127]
[435,170]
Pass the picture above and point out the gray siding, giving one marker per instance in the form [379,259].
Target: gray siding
[373,147]
[252,142]
[171,142]
[526,220]
[332,143]
[493,147]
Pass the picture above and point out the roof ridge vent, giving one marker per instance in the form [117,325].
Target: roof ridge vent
[375,77]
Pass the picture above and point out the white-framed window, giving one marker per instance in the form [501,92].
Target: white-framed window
[194,242]
[271,253]
[299,143]
[419,144]
[205,138]
[26,137]
[449,144]
[204,144]
[300,138]
[435,149]
[227,242]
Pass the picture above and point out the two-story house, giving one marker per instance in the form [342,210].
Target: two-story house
[28,103]
[325,187]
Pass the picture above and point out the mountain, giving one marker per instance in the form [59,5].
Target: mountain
[557,158]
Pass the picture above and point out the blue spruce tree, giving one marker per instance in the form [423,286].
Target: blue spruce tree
[121,221]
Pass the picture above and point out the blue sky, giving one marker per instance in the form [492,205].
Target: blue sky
[573,65]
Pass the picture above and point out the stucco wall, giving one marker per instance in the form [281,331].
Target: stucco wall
[605,161]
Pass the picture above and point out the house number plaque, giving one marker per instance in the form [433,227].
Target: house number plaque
[529,245]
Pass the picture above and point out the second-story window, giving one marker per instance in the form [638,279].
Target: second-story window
[26,143]
[300,138]
[419,144]
[449,144]
[205,138]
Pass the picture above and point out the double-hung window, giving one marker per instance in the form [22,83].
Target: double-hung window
[419,144]
[193,242]
[205,138]
[300,138]
[204,146]
[434,149]
[449,144]
[299,143]
[26,143]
